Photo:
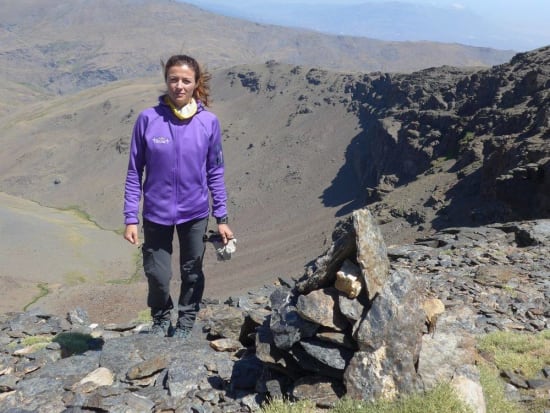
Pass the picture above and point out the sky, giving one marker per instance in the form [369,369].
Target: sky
[540,8]
[526,20]
[530,15]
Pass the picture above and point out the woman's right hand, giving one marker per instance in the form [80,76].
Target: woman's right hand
[131,234]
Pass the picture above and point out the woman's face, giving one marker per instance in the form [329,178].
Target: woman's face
[181,84]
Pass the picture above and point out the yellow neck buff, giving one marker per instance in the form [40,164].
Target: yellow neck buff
[185,112]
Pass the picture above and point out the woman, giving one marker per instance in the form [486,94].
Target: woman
[178,145]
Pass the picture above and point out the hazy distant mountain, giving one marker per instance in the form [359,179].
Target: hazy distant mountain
[53,47]
[396,21]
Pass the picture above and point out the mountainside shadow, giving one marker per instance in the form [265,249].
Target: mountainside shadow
[347,189]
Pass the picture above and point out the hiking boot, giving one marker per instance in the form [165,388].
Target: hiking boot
[182,332]
[161,327]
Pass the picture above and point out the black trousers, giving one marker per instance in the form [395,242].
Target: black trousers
[157,264]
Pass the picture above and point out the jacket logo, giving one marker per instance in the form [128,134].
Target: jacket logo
[161,140]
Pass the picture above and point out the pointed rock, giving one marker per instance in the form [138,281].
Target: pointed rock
[372,255]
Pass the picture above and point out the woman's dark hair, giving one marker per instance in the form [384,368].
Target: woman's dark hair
[202,77]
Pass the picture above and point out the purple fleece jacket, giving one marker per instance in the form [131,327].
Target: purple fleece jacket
[183,162]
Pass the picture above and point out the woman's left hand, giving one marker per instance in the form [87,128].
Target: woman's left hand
[225,233]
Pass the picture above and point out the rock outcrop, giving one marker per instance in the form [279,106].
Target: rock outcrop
[493,123]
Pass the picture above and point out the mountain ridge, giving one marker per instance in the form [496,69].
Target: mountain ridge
[99,42]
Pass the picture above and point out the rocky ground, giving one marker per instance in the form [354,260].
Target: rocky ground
[489,278]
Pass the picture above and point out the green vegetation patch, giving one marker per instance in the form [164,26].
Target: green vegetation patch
[32,340]
[43,291]
[36,342]
[82,214]
[144,316]
[523,353]
[493,391]
[513,351]
[79,212]
[282,406]
[441,398]
[73,278]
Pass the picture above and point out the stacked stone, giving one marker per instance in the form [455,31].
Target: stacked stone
[349,324]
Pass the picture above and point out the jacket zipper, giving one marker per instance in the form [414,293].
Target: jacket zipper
[175,173]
